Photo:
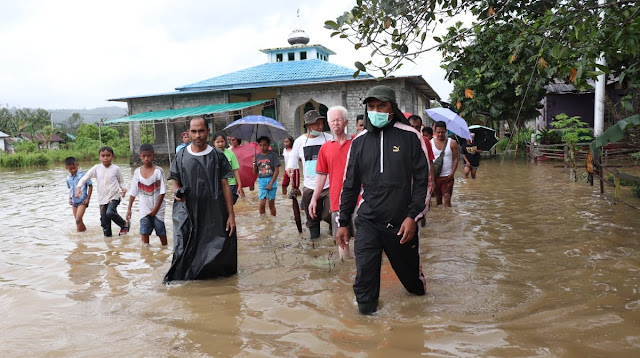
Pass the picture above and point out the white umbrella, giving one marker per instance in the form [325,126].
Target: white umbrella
[454,122]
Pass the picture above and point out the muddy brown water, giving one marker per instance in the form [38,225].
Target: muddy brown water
[525,264]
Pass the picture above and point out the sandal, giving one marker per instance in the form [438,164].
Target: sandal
[125,230]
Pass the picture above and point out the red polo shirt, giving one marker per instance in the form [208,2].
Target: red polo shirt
[332,160]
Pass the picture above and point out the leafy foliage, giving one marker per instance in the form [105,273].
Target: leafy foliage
[25,146]
[500,64]
[573,130]
[71,124]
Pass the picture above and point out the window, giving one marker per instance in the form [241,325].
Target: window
[279,57]
[303,55]
[291,56]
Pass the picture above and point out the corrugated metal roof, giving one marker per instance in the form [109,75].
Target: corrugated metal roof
[277,74]
[559,88]
[185,112]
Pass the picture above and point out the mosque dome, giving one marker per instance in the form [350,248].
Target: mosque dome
[298,37]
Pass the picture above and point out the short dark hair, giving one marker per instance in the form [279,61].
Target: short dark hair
[147,148]
[195,118]
[264,138]
[238,139]
[415,117]
[70,161]
[106,149]
[220,134]
[428,130]
[360,117]
[441,124]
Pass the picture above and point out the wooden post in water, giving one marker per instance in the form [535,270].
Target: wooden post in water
[566,153]
[601,174]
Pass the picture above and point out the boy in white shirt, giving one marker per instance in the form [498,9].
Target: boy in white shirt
[110,188]
[148,181]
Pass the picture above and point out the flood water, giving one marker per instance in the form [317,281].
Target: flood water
[525,264]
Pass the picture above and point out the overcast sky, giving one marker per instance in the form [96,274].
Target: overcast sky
[78,54]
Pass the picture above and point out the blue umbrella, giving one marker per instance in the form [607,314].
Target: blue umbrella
[250,128]
[455,123]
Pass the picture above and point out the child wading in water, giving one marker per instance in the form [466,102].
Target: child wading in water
[78,205]
[266,165]
[220,142]
[148,181]
[110,187]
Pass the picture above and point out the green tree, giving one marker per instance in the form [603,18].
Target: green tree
[31,121]
[573,130]
[46,133]
[71,124]
[91,131]
[7,122]
[500,64]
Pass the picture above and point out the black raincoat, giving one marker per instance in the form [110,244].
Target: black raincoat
[202,247]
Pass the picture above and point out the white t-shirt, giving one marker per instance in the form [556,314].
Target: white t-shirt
[307,149]
[286,154]
[149,189]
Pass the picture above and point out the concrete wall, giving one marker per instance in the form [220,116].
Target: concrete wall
[160,103]
[289,101]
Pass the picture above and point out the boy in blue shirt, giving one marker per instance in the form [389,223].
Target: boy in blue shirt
[78,205]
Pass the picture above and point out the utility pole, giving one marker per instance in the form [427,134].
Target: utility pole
[600,87]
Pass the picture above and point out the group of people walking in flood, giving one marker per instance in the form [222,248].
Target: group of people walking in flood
[374,186]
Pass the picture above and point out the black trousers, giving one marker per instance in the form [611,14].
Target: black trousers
[371,239]
[109,213]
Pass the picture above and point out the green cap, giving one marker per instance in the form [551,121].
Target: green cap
[382,93]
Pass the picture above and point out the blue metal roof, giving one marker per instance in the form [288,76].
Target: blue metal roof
[278,74]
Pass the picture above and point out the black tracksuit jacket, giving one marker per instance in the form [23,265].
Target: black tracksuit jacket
[391,168]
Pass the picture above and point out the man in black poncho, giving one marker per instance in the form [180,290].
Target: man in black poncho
[205,242]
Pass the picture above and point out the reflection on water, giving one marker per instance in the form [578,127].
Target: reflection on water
[524,264]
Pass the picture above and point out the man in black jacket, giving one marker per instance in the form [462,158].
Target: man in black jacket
[388,161]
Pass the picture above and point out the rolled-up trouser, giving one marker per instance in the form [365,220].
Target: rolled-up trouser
[323,207]
[109,213]
[371,239]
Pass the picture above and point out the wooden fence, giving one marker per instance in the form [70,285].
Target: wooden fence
[612,156]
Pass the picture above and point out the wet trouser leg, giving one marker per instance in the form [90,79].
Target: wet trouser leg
[113,215]
[105,222]
[323,207]
[371,240]
[405,260]
[367,250]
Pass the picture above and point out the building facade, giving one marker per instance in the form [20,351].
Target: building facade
[295,79]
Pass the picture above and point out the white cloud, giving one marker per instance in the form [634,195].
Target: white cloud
[74,54]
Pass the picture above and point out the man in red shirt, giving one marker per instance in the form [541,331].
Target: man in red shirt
[332,160]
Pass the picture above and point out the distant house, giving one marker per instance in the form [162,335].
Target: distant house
[294,79]
[53,142]
[565,98]
[4,142]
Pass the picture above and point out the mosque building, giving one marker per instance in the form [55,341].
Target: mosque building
[295,79]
